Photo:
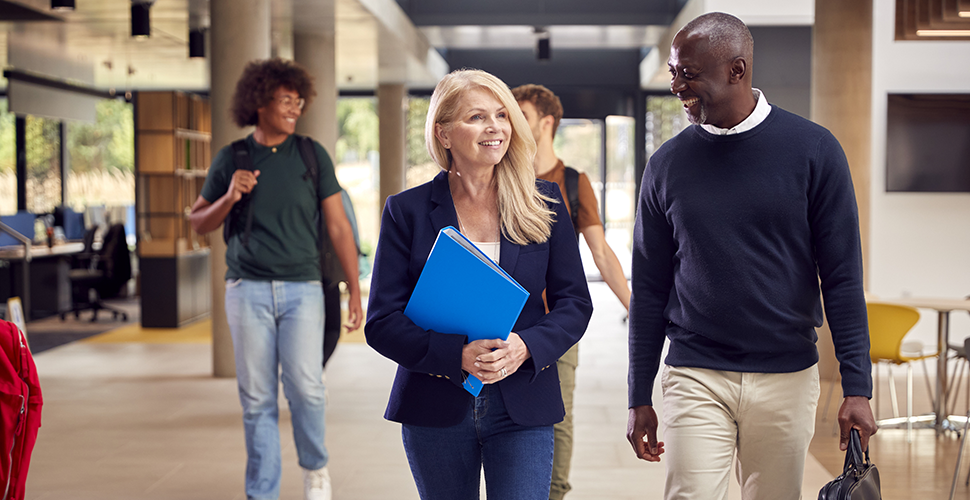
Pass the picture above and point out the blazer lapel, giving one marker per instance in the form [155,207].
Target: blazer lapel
[509,255]
[443,214]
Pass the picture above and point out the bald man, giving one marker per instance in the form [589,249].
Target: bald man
[740,217]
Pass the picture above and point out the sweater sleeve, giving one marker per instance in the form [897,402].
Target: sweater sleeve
[834,219]
[653,251]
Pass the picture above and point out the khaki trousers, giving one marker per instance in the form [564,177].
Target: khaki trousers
[767,419]
[563,431]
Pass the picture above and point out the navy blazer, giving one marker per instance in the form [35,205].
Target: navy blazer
[427,390]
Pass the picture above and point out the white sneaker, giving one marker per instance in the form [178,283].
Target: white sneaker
[316,485]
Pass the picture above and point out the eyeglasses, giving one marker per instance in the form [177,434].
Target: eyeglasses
[289,102]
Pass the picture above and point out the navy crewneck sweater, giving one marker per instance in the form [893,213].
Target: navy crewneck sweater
[733,234]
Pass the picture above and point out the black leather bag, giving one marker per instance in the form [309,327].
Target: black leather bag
[859,479]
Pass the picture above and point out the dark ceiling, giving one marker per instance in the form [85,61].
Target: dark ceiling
[13,12]
[541,12]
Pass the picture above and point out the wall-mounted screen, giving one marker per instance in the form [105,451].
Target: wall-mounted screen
[928,143]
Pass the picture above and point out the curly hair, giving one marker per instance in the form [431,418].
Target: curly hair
[546,102]
[259,82]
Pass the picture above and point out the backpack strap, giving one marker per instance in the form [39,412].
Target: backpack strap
[243,161]
[309,155]
[572,195]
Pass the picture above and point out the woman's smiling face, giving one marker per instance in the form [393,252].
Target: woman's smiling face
[479,135]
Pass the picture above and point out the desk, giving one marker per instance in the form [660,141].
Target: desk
[42,282]
[943,308]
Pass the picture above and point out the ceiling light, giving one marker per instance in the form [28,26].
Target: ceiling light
[141,20]
[543,49]
[197,42]
[62,4]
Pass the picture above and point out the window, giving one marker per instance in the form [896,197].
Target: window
[43,142]
[102,168]
[665,119]
[357,164]
[420,168]
[620,189]
[8,162]
[578,143]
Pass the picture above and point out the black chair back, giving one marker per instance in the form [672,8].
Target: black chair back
[88,240]
[115,261]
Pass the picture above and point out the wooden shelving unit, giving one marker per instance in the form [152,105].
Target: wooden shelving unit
[172,155]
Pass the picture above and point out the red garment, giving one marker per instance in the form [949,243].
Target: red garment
[20,405]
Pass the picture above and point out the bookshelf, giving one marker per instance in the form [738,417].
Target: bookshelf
[172,156]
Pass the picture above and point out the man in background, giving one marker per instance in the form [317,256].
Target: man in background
[543,111]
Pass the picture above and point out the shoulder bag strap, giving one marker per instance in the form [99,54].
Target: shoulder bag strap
[572,194]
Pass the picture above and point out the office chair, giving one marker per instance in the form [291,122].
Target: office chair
[888,326]
[100,274]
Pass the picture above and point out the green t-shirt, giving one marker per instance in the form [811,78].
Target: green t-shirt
[284,243]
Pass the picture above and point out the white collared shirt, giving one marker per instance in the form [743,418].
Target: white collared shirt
[761,111]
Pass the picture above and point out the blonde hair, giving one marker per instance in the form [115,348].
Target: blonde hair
[525,217]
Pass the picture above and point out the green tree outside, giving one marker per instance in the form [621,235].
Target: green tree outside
[102,159]
[106,144]
[357,128]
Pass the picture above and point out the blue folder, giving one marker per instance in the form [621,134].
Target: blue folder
[462,291]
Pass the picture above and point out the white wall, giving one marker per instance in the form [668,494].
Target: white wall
[919,242]
[766,12]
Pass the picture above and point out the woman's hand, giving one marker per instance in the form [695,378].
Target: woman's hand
[492,360]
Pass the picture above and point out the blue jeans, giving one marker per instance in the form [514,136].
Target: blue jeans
[446,462]
[273,324]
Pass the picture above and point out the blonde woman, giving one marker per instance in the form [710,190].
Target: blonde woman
[487,188]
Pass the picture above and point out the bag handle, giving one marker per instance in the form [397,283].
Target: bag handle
[854,456]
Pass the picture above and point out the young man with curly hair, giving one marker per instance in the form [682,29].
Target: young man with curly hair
[274,298]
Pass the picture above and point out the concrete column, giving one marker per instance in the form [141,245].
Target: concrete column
[391,111]
[239,33]
[281,37]
[842,102]
[316,52]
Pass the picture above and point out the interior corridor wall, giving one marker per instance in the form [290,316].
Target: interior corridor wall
[920,242]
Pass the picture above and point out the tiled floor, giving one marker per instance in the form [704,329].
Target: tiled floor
[129,417]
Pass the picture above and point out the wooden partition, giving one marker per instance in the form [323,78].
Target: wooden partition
[172,156]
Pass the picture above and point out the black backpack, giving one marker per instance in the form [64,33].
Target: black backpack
[329,263]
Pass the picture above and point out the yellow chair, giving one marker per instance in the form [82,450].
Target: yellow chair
[888,326]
